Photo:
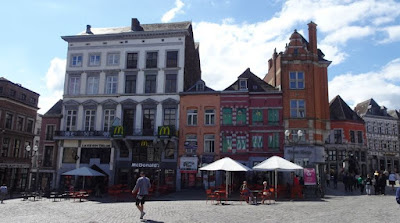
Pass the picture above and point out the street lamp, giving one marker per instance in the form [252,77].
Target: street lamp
[34,152]
[293,142]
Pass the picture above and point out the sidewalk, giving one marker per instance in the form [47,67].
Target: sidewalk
[340,191]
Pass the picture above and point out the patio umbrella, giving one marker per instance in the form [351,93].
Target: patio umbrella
[226,164]
[83,171]
[276,163]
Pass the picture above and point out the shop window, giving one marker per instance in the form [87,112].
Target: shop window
[241,116]
[70,155]
[123,176]
[95,153]
[332,155]
[170,150]
[227,116]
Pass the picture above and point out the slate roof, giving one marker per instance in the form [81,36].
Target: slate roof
[339,110]
[394,113]
[370,107]
[56,109]
[254,83]
[146,28]
[195,89]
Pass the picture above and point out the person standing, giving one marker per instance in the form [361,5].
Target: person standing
[398,195]
[392,179]
[3,192]
[142,188]
[368,184]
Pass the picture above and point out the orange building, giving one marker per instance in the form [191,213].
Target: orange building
[302,73]
[199,139]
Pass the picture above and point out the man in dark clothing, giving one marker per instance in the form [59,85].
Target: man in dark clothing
[142,186]
[398,195]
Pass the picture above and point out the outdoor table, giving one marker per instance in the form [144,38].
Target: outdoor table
[219,195]
[256,193]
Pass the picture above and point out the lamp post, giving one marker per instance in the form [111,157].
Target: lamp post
[34,153]
[293,142]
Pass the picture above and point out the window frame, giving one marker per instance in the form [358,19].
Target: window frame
[8,120]
[148,83]
[49,134]
[108,118]
[74,84]
[209,116]
[131,87]
[192,117]
[111,84]
[296,80]
[171,83]
[90,120]
[167,60]
[94,59]
[167,120]
[76,60]
[130,61]
[112,57]
[151,62]
[227,117]
[209,143]
[300,111]
[71,117]
[92,85]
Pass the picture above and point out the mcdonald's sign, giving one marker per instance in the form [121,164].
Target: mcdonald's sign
[165,131]
[144,143]
[118,132]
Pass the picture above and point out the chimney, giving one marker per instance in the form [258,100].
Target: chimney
[135,26]
[312,37]
[88,31]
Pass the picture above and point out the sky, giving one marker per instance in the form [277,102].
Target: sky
[361,38]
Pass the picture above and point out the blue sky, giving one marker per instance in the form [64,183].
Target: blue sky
[361,38]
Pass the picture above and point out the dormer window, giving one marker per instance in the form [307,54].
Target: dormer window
[243,84]
[200,86]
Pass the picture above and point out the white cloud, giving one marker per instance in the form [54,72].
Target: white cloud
[47,101]
[168,16]
[382,85]
[393,33]
[228,48]
[55,74]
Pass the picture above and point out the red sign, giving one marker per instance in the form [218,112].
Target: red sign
[309,176]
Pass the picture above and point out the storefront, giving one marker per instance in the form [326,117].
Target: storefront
[189,173]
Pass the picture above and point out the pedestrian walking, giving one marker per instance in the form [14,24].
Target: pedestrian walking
[3,192]
[398,195]
[368,184]
[142,188]
[360,182]
[392,179]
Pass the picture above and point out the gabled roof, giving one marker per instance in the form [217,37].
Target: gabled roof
[394,113]
[339,110]
[56,109]
[370,107]
[304,42]
[254,83]
[195,87]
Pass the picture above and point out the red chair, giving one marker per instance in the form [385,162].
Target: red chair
[244,197]
[210,196]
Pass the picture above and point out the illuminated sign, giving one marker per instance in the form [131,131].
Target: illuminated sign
[118,132]
[166,131]
[146,165]
[144,143]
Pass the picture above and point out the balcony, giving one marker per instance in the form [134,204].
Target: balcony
[81,134]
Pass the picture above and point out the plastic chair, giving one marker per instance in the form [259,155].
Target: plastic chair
[210,196]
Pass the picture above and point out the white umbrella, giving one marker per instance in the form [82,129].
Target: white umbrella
[83,171]
[227,164]
[276,163]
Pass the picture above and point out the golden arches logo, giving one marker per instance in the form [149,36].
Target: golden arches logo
[164,131]
[144,143]
[119,130]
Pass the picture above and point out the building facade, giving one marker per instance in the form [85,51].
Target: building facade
[382,136]
[121,88]
[199,138]
[251,124]
[18,110]
[347,142]
[301,72]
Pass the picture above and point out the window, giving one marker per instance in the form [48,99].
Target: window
[50,132]
[74,85]
[170,83]
[341,155]
[103,154]
[273,140]
[150,84]
[48,156]
[227,116]
[128,121]
[352,136]
[332,155]
[1,90]
[130,84]
[257,117]
[273,116]
[109,115]
[226,143]
[92,85]
[32,100]
[12,92]
[9,119]
[257,141]
[241,143]
[23,97]
[151,60]
[113,59]
[172,59]
[338,136]
[29,126]
[90,116]
[243,84]
[363,156]
[20,123]
[71,120]
[297,108]
[296,80]
[191,143]
[170,116]
[76,61]
[148,121]
[241,116]
[209,118]
[360,137]
[111,84]
[5,146]
[209,141]
[69,155]
[131,60]
[192,117]
[17,146]
[94,60]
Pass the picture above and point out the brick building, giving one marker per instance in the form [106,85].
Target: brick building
[347,139]
[301,72]
[18,110]
[199,139]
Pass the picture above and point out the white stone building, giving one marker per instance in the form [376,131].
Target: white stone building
[125,79]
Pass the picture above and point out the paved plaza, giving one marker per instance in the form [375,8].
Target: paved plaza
[190,206]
